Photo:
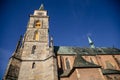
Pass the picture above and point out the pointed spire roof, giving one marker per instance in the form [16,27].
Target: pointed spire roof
[41,7]
[89,39]
[91,43]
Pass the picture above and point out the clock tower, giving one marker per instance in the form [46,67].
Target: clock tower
[37,60]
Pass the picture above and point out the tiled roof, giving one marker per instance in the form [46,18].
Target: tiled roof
[79,63]
[82,63]
[110,71]
[79,50]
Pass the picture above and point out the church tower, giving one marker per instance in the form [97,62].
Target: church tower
[34,59]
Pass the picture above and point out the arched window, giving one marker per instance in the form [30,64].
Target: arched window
[33,49]
[67,63]
[36,36]
[37,24]
[33,65]
[91,60]
[109,65]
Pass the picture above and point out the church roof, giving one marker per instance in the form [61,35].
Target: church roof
[82,63]
[79,63]
[110,71]
[85,51]
[104,71]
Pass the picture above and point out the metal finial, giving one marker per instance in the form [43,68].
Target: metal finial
[41,7]
[91,43]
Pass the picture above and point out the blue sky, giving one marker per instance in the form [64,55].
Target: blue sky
[70,23]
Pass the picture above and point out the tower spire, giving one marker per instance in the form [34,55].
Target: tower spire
[41,7]
[91,43]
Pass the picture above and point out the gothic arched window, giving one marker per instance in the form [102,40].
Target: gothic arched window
[37,24]
[67,63]
[33,49]
[91,60]
[33,65]
[36,36]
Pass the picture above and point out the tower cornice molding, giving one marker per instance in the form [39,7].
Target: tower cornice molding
[39,16]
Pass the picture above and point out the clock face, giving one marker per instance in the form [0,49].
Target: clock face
[38,24]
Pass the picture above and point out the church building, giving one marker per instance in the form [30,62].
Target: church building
[36,57]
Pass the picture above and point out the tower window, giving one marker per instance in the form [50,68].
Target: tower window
[33,49]
[67,63]
[38,24]
[36,36]
[33,65]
